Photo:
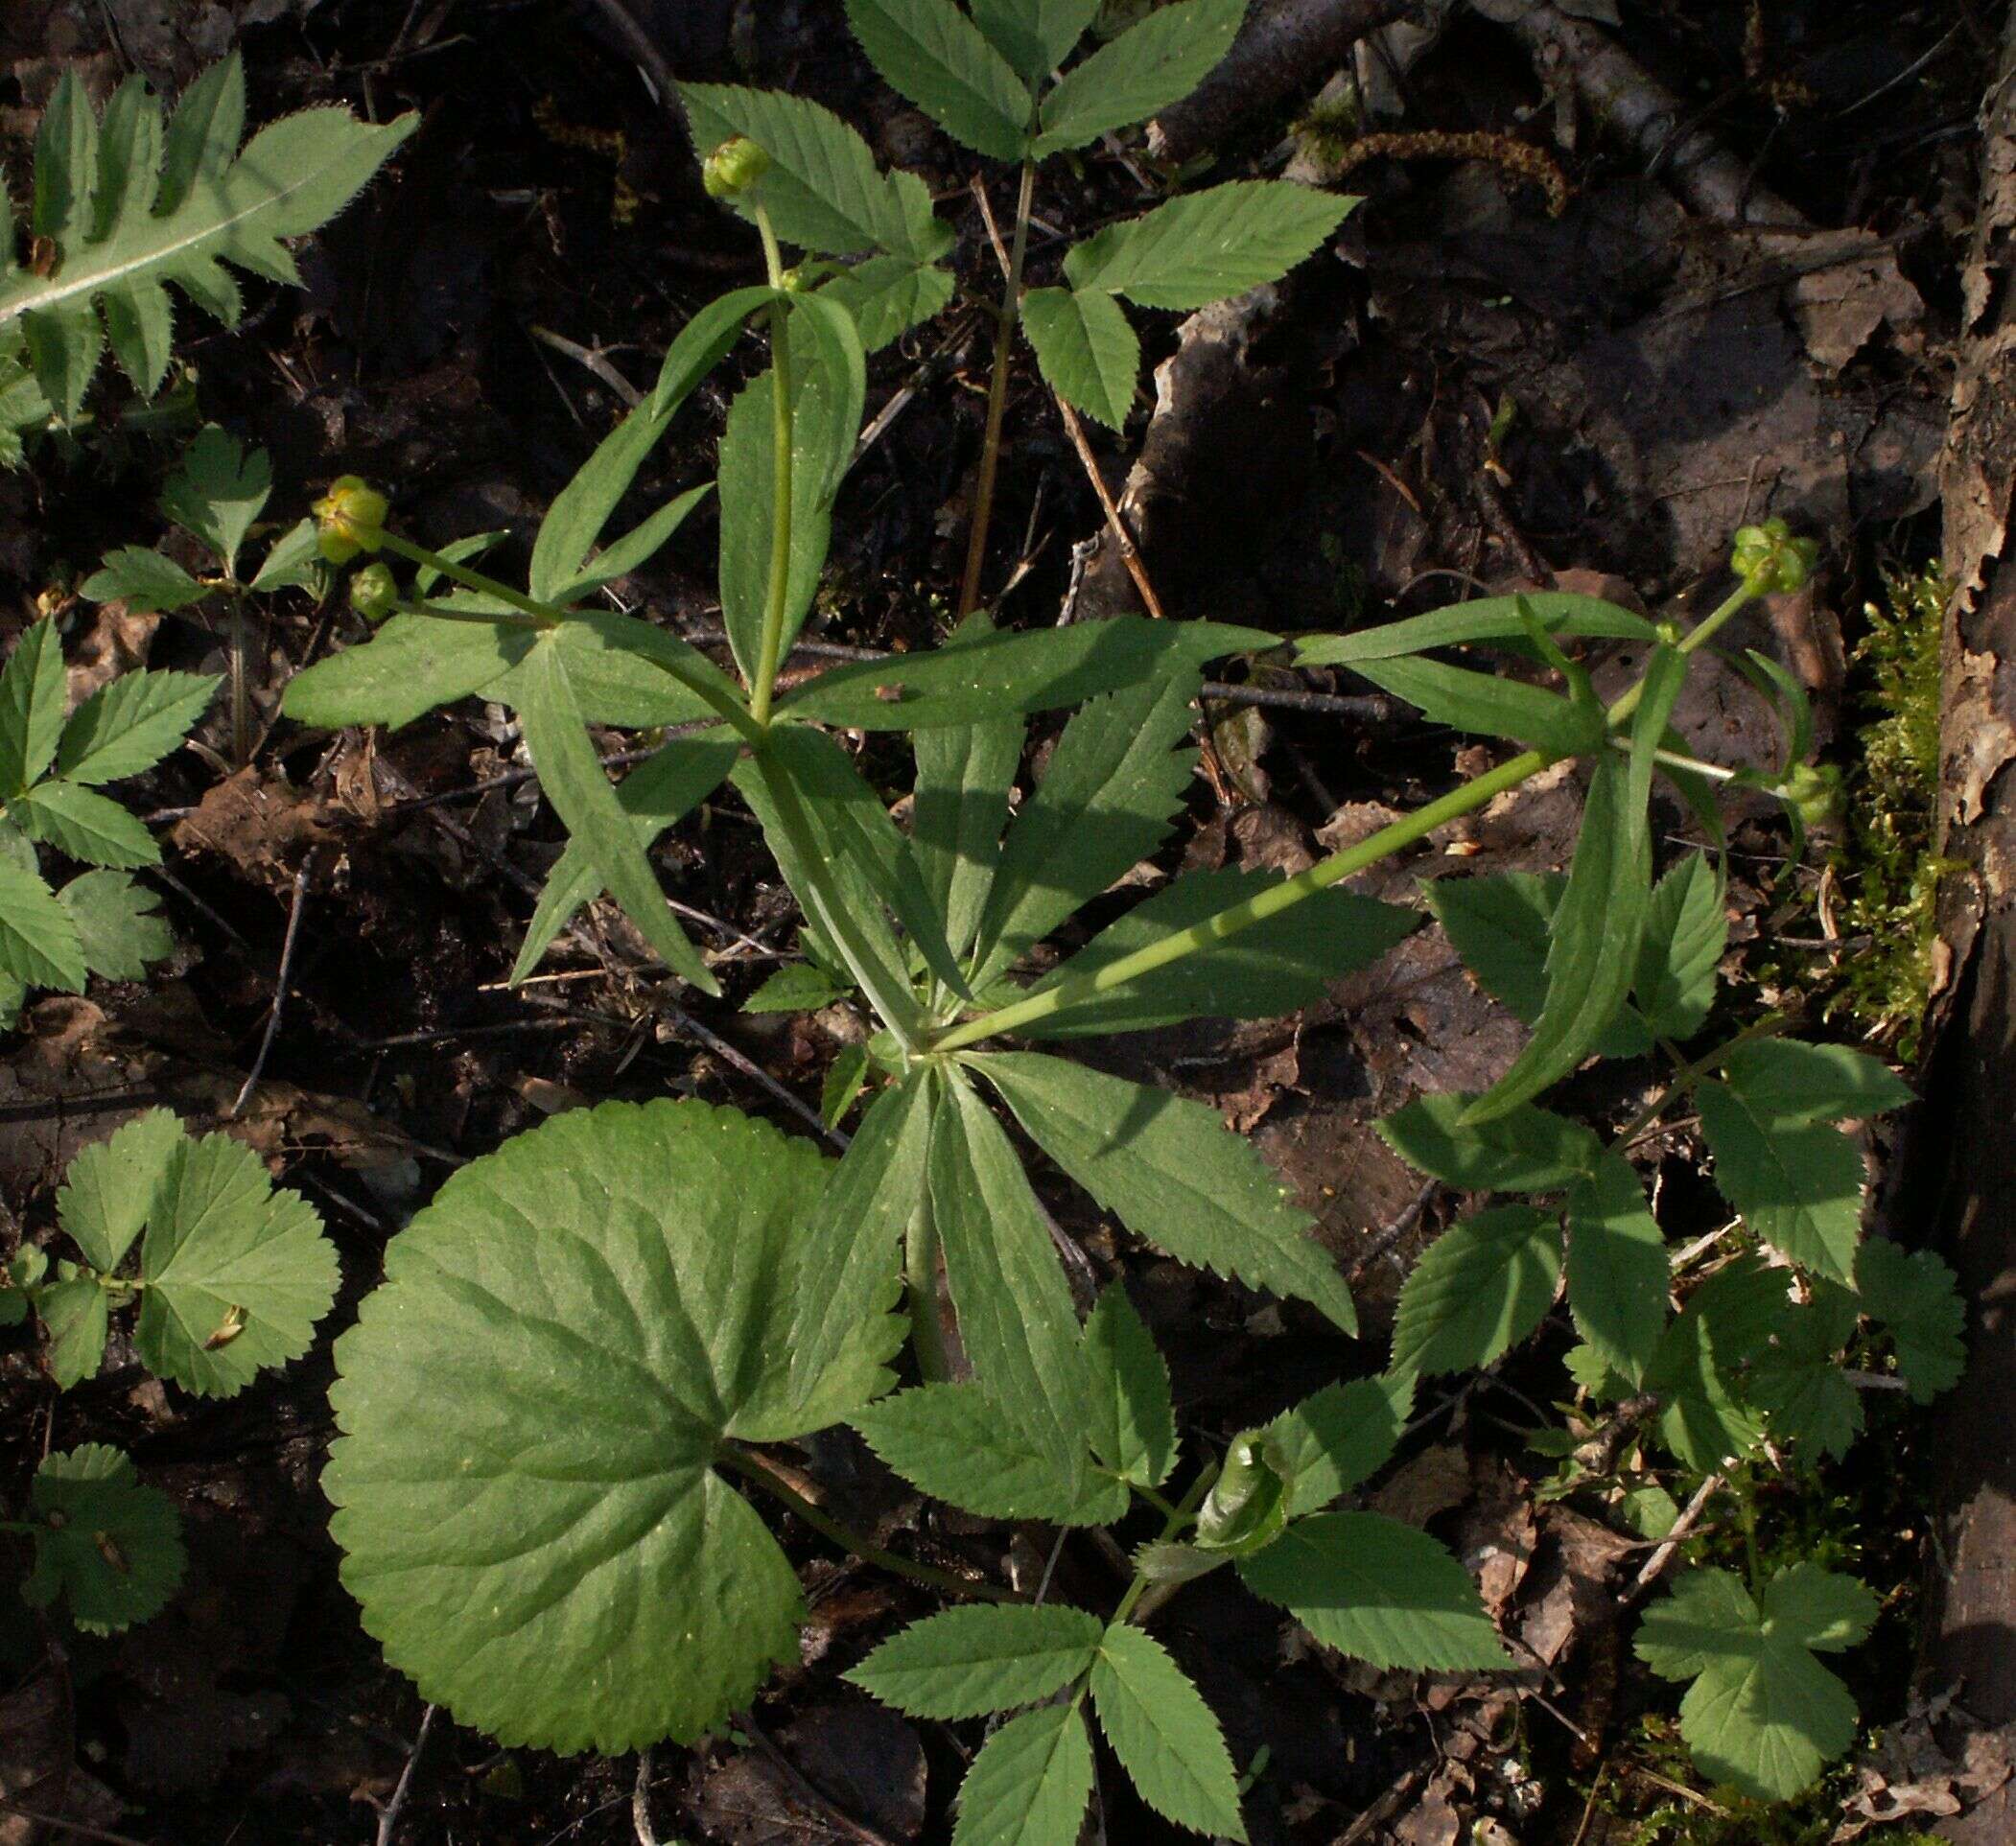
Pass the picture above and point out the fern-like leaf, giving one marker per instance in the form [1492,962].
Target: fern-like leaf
[125,206]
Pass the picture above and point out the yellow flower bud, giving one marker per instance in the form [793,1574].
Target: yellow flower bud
[349,518]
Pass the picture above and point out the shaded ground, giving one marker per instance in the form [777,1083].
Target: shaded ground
[1470,388]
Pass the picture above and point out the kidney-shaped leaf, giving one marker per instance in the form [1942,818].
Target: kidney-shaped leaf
[529,1406]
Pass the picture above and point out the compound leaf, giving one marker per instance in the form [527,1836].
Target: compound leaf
[1034,36]
[1478,1287]
[1762,1715]
[109,1188]
[1087,353]
[1154,63]
[130,723]
[1207,245]
[529,1408]
[118,239]
[887,295]
[1133,1426]
[1377,1590]
[1791,1082]
[1175,1175]
[1797,1184]
[216,490]
[951,1441]
[1029,1785]
[1916,1299]
[823,191]
[1618,1272]
[1268,969]
[1344,1434]
[146,581]
[236,1274]
[31,692]
[1163,1733]
[75,1315]
[103,1538]
[935,56]
[84,823]
[40,946]
[1526,1150]
[967,1662]
[1685,932]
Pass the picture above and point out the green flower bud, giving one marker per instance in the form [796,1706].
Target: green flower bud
[349,518]
[374,593]
[1248,1506]
[1814,791]
[1770,559]
[734,167]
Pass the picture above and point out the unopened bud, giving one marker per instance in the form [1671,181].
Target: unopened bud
[1770,559]
[1814,791]
[374,593]
[734,167]
[349,518]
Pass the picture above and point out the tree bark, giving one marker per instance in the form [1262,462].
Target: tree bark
[1964,1144]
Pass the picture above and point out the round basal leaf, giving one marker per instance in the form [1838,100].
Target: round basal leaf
[106,1540]
[529,1406]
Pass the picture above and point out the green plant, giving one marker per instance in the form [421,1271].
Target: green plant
[51,769]
[231,1278]
[215,494]
[122,208]
[591,1331]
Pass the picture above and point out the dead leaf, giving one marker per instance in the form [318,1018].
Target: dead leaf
[261,822]
[1436,1480]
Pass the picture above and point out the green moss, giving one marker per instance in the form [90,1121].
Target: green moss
[1887,871]
[1651,1788]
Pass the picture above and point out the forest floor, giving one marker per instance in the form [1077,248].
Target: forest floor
[1562,372]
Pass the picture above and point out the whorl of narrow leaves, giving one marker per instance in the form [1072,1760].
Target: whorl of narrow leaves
[128,206]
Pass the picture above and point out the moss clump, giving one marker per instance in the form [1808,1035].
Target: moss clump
[1889,871]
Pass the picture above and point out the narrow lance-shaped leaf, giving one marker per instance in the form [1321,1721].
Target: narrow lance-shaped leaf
[1174,1173]
[1497,618]
[1485,704]
[31,707]
[573,778]
[1112,785]
[1015,1310]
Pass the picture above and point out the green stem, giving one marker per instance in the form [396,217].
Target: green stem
[1741,1482]
[1689,1074]
[1271,903]
[543,613]
[1133,1605]
[241,694]
[771,650]
[998,397]
[752,1467]
[1281,896]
